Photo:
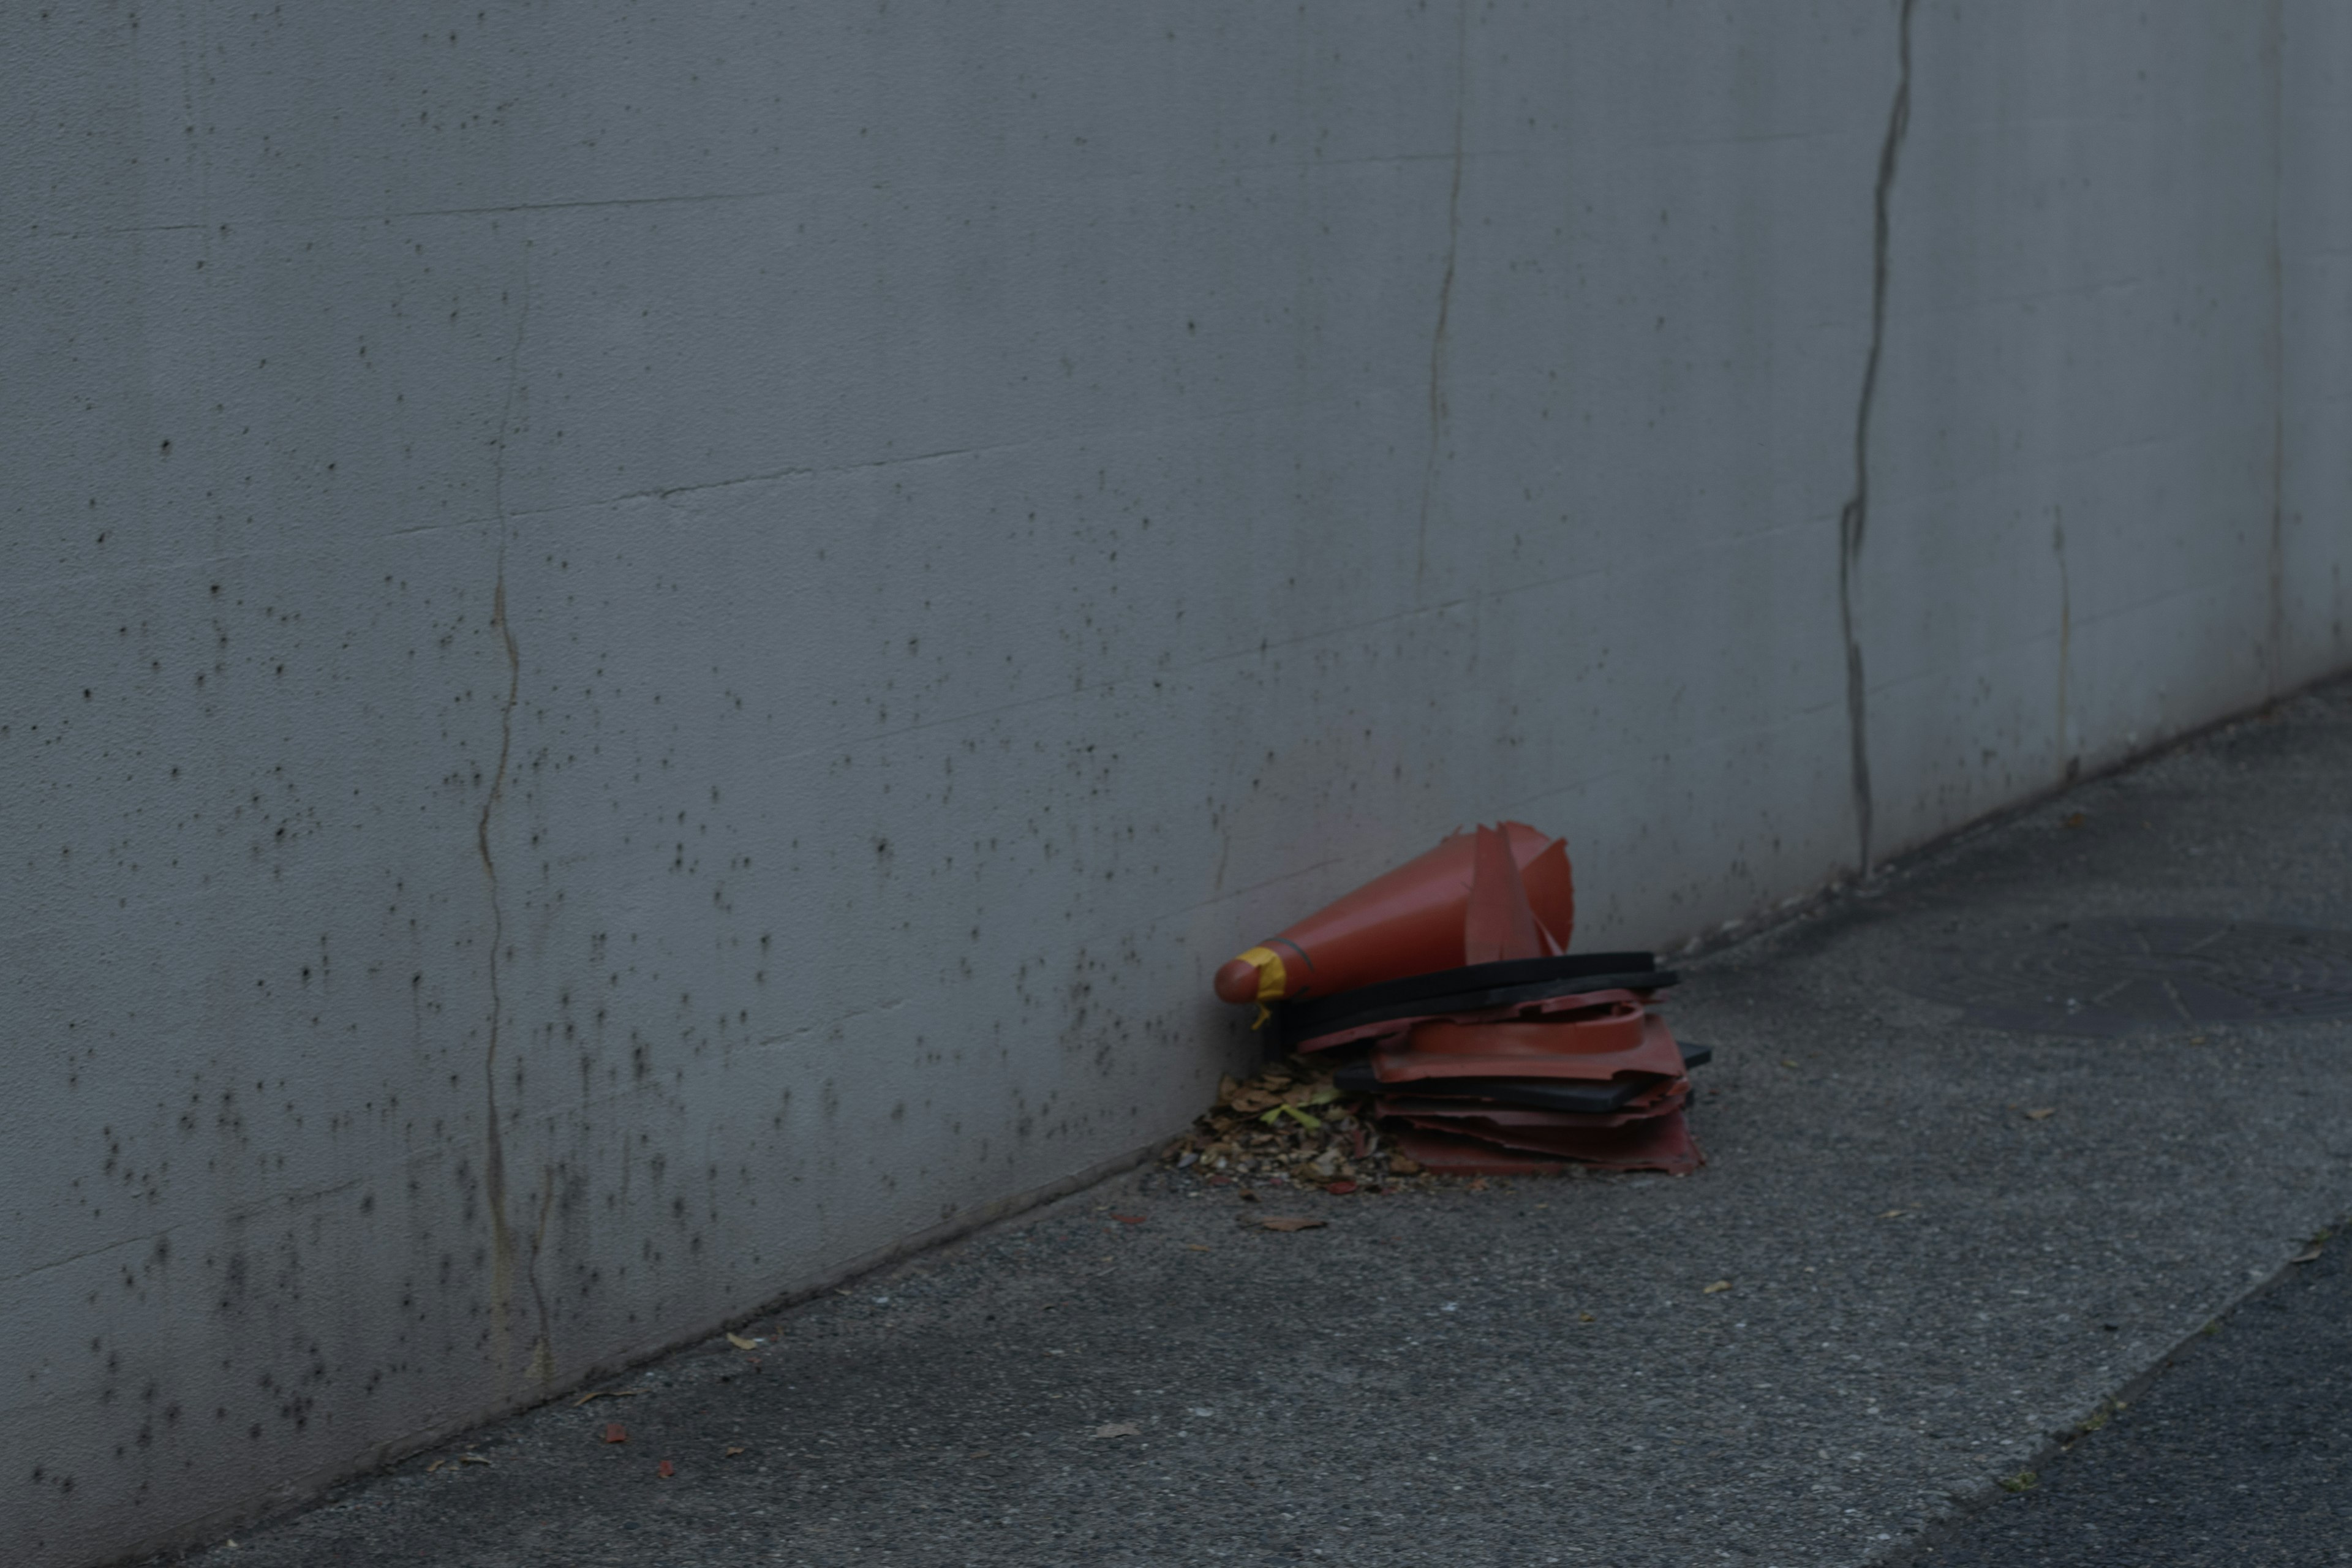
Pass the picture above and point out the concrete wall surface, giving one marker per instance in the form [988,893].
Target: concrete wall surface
[650,647]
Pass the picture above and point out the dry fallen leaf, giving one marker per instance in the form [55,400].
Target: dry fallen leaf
[1788,1061]
[434,1465]
[740,1343]
[1283,1221]
[665,1470]
[2043,1114]
[2308,1255]
[1340,1189]
[1895,1214]
[1716,1289]
[733,1452]
[1586,1318]
[616,1433]
[1118,1429]
[1131,1219]
[1400,1166]
[471,1460]
[607,1394]
[1196,1246]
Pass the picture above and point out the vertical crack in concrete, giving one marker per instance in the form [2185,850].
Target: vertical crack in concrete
[1438,411]
[2274,42]
[494,1166]
[1855,517]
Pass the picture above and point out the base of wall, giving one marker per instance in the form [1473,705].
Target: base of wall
[294,1494]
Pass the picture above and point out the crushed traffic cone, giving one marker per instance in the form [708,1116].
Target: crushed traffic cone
[1487,1048]
[1489,896]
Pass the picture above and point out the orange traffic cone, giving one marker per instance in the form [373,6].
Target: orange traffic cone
[1477,898]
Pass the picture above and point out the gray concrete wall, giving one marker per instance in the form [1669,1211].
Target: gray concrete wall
[650,648]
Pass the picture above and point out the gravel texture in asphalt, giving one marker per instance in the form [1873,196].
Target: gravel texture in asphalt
[1923,1246]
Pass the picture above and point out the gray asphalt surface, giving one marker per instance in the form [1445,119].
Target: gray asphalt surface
[2240,1454]
[1927,1282]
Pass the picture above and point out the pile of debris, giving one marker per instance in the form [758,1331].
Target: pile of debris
[1481,1046]
[1292,1121]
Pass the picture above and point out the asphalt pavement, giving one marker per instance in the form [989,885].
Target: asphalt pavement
[1991,1139]
[2238,1455]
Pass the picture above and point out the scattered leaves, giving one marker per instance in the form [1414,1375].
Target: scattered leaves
[733,1451]
[1291,1222]
[1717,1289]
[616,1433]
[1117,1429]
[2024,1481]
[2042,1113]
[740,1343]
[665,1470]
[2308,1255]
[1340,1189]
[1788,1061]
[1289,1122]
[1895,1214]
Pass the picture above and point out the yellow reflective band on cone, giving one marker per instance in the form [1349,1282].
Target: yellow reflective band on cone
[1272,982]
[1273,985]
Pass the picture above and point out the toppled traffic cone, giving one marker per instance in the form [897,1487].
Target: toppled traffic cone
[1477,898]
[1488,1048]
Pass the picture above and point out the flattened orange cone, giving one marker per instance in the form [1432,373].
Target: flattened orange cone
[1420,918]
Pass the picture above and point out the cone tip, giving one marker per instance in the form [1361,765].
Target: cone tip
[1237,981]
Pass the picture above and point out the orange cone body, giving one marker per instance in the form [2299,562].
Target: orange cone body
[1476,898]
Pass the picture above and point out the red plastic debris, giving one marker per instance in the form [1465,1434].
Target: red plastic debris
[1451,1156]
[1532,1010]
[1641,1041]
[1482,902]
